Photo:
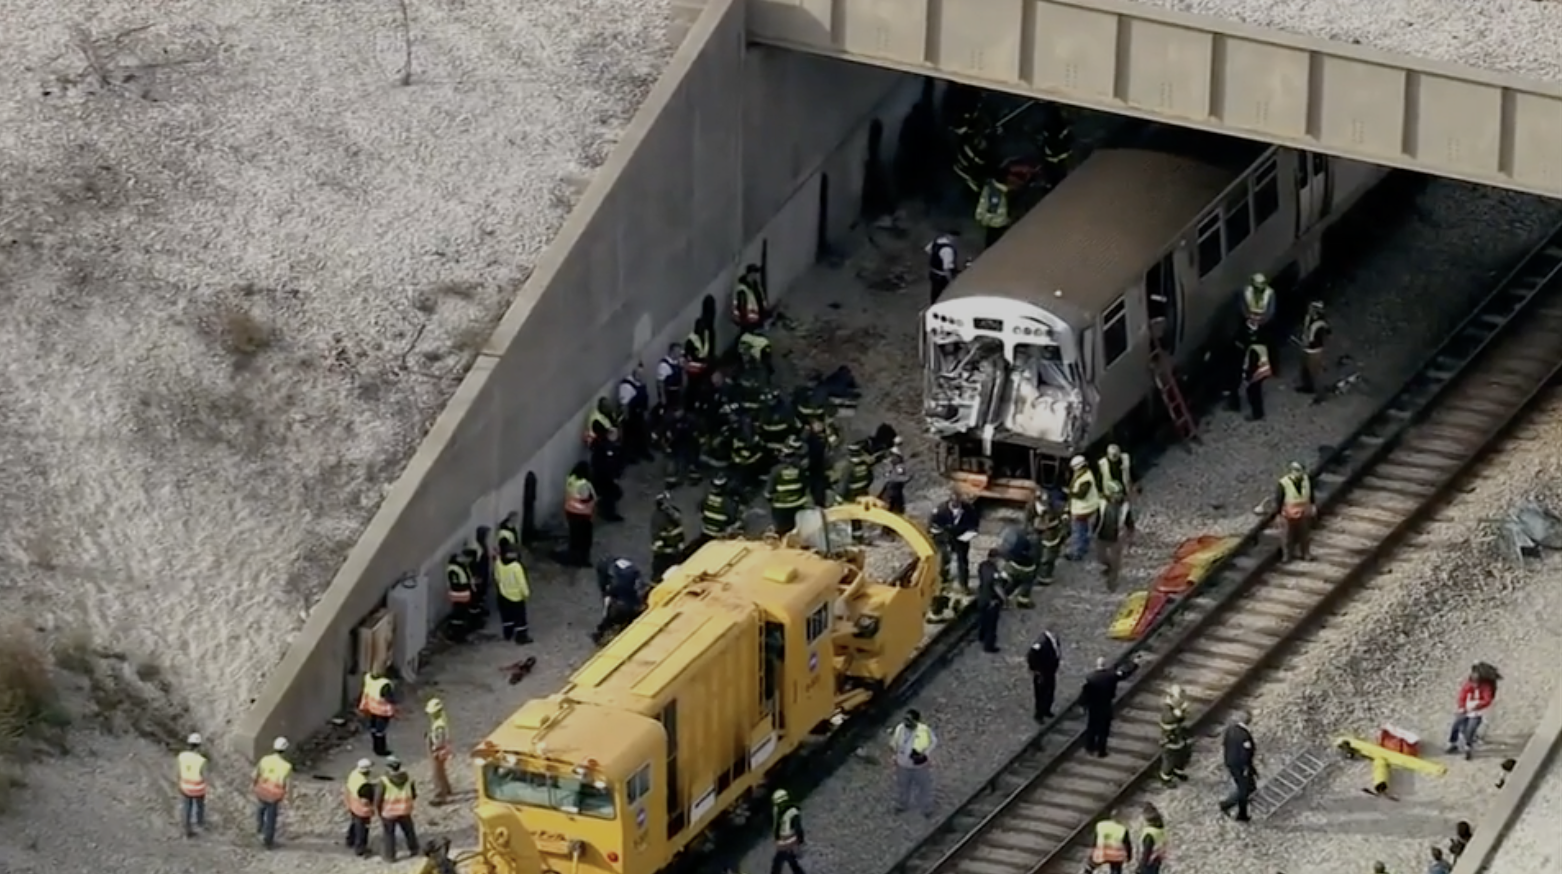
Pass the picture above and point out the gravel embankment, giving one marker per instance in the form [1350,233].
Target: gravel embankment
[1395,653]
[1388,311]
[244,268]
[1510,36]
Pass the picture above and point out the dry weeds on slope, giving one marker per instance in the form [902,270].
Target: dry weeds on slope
[241,268]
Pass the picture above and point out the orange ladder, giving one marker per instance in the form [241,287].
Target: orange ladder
[1171,392]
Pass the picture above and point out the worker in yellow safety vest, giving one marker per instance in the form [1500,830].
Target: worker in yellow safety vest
[1112,849]
[913,743]
[377,705]
[749,304]
[1084,502]
[397,797]
[1294,497]
[992,211]
[438,738]
[580,507]
[1258,302]
[359,796]
[1117,467]
[192,786]
[599,423]
[273,777]
[1152,841]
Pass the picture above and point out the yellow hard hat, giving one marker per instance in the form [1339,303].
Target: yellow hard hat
[434,705]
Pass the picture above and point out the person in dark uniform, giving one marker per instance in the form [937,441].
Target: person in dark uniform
[1242,764]
[623,591]
[482,569]
[720,515]
[1021,556]
[1098,697]
[667,542]
[634,405]
[458,589]
[681,443]
[954,527]
[1256,371]
[1042,660]
[787,491]
[816,452]
[607,465]
[1174,737]
[893,492]
[989,601]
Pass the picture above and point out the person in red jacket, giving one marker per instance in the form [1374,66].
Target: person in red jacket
[1475,698]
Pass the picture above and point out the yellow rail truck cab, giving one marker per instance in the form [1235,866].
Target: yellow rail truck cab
[745,650]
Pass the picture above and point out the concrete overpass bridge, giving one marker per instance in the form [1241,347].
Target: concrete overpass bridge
[1141,60]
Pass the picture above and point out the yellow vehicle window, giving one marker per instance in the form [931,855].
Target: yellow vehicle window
[566,793]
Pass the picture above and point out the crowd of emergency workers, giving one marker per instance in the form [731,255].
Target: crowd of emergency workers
[728,427]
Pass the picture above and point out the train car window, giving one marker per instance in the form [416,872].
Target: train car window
[1239,218]
[1114,333]
[818,623]
[1318,163]
[1266,192]
[1210,248]
[639,785]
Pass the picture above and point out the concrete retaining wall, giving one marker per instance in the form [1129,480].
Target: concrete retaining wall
[728,155]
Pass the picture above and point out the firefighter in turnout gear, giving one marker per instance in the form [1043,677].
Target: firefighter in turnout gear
[972,148]
[787,491]
[756,357]
[748,460]
[992,212]
[667,543]
[719,514]
[1294,498]
[778,427]
[750,303]
[1174,737]
[896,478]
[854,479]
[1052,529]
[1020,559]
[1057,142]
[1315,333]
[1117,467]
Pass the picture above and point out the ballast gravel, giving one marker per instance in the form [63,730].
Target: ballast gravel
[1389,309]
[1395,653]
[1522,37]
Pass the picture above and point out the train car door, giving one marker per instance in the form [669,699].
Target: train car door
[1163,303]
[1313,190]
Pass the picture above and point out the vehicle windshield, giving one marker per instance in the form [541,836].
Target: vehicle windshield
[530,788]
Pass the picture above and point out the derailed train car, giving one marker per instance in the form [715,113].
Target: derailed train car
[1041,349]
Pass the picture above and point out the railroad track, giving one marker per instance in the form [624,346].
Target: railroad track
[1036,815]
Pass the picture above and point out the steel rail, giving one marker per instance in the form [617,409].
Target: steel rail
[1372,489]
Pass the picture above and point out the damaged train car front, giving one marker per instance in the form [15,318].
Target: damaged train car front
[1005,389]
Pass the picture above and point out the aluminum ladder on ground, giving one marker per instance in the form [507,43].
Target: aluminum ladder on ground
[1171,393]
[1289,783]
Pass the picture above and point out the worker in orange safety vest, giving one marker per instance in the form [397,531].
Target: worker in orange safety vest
[397,796]
[377,705]
[192,786]
[359,797]
[273,776]
[1112,848]
[1294,497]
[580,507]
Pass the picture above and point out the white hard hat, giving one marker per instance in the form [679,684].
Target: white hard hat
[1077,461]
[365,764]
[194,739]
[1114,451]
[1175,693]
[279,745]
[1259,279]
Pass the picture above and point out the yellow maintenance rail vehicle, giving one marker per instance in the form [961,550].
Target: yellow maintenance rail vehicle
[746,649]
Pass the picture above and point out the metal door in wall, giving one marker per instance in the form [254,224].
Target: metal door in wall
[1313,185]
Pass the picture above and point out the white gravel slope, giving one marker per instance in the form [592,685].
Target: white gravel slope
[1523,37]
[1390,311]
[1396,653]
[168,173]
